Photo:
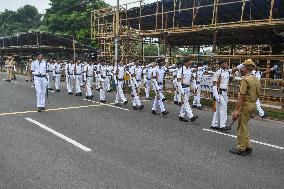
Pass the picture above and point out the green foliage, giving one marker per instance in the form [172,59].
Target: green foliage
[72,17]
[24,19]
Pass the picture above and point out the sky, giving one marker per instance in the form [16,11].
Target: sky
[44,4]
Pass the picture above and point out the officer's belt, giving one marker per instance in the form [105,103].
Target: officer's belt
[49,71]
[138,80]
[103,77]
[41,76]
[185,86]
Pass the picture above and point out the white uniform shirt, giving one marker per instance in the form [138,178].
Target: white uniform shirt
[89,69]
[57,68]
[69,69]
[120,71]
[149,72]
[39,68]
[103,71]
[224,76]
[160,73]
[78,69]
[186,73]
[258,74]
[199,73]
[50,67]
[138,73]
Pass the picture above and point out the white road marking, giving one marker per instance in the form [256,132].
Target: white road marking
[85,99]
[254,141]
[82,147]
[109,105]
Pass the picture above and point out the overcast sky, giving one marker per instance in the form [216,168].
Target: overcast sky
[44,4]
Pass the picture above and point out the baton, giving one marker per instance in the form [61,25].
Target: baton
[233,121]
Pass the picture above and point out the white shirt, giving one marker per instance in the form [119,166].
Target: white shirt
[50,67]
[160,73]
[89,69]
[39,68]
[57,68]
[199,74]
[103,71]
[79,69]
[148,72]
[120,71]
[138,72]
[186,73]
[69,69]
[258,74]
[224,76]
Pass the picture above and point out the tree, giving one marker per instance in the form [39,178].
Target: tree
[72,17]
[24,19]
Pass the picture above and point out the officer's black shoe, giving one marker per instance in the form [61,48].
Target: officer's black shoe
[154,112]
[182,119]
[164,99]
[213,127]
[176,102]
[132,95]
[117,104]
[225,129]
[165,113]
[87,97]
[141,107]
[39,109]
[8,80]
[98,89]
[42,108]
[126,102]
[238,152]
[57,90]
[193,118]
[27,80]
[108,91]
[248,151]
[264,116]
[194,106]
[79,94]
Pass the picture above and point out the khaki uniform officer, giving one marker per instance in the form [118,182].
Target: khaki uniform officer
[248,95]
[10,68]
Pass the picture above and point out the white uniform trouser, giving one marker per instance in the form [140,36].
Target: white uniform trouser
[98,83]
[159,87]
[119,93]
[221,111]
[108,78]
[82,80]
[40,86]
[148,88]
[49,78]
[177,97]
[185,109]
[259,109]
[136,99]
[196,100]
[103,90]
[78,79]
[69,83]
[89,82]
[158,99]
[57,81]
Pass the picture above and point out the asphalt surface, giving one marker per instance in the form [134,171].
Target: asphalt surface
[129,149]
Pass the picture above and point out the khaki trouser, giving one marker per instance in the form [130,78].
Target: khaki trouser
[242,131]
[10,73]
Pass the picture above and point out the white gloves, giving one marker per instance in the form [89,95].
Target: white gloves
[215,93]
[240,66]
[274,68]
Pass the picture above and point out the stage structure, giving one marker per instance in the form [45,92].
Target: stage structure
[234,29]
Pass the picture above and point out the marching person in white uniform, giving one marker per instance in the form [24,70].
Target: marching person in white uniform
[39,71]
[50,68]
[103,75]
[199,74]
[78,78]
[57,74]
[69,69]
[89,70]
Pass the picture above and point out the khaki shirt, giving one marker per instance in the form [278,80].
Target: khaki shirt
[10,63]
[250,87]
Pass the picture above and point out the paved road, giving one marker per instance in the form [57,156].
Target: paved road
[129,149]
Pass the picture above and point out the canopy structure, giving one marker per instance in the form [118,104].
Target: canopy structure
[28,44]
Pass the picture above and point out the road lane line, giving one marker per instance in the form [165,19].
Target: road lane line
[109,105]
[49,110]
[253,141]
[82,147]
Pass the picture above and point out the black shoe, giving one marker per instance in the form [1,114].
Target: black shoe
[135,108]
[141,107]
[214,128]
[42,108]
[164,99]
[248,150]
[132,95]
[182,119]
[109,91]
[27,80]
[225,129]
[238,152]
[264,116]
[70,93]
[76,94]
[200,108]
[165,113]
[92,96]
[38,109]
[126,102]
[194,106]
[180,104]
[154,112]
[79,94]
[176,102]
[117,104]
[193,118]
[103,101]
[57,90]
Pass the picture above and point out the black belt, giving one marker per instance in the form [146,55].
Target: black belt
[41,76]
[184,85]
[78,74]
[222,90]
[89,76]
[120,79]
[57,72]
[197,82]
[138,80]
[103,77]
[149,79]
[49,71]
[160,83]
